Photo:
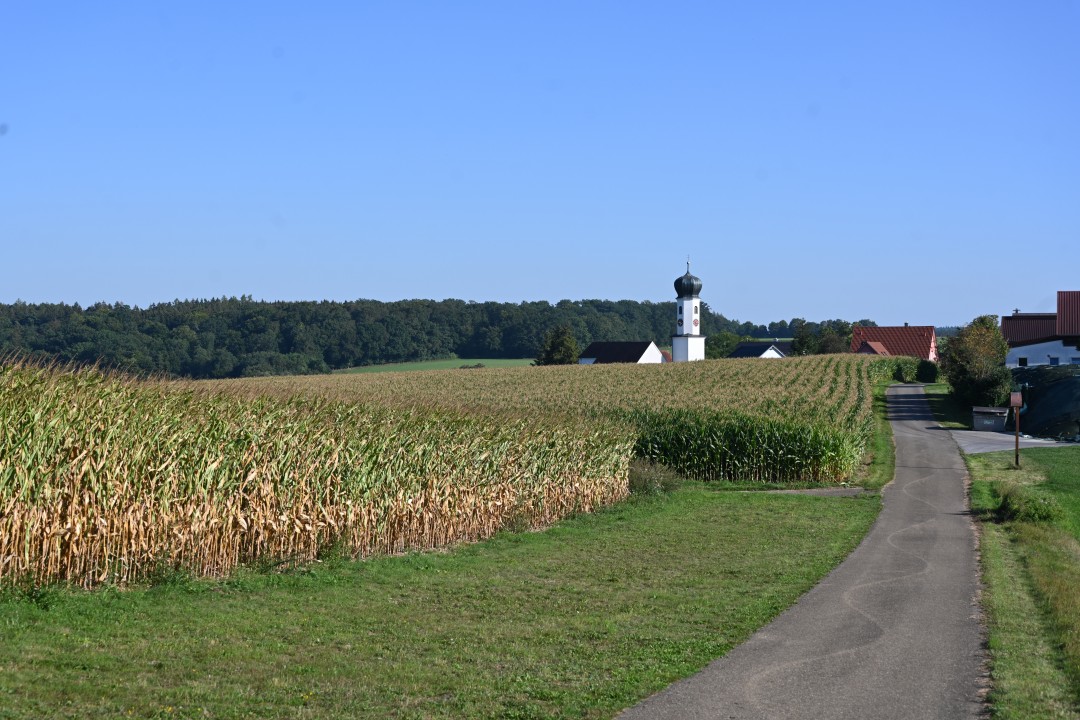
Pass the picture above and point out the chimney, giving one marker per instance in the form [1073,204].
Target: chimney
[905,324]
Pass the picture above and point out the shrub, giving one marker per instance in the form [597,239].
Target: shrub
[1025,503]
[652,478]
[927,372]
[906,369]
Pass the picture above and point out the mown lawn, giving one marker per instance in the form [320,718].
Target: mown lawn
[580,620]
[1031,571]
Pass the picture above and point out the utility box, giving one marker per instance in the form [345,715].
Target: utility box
[989,418]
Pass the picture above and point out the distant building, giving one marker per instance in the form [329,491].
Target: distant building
[1045,338]
[762,349]
[919,341]
[687,344]
[640,352]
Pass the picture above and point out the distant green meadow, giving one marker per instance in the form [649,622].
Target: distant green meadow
[448,364]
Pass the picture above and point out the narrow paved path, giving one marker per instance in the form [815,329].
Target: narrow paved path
[891,633]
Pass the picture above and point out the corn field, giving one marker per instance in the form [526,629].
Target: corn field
[802,419]
[106,479]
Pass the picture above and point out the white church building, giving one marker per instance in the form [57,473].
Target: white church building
[687,344]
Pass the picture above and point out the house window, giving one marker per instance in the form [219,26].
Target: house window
[680,309]
[1021,362]
[1054,360]
[1075,360]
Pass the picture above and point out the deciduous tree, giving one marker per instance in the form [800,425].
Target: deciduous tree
[559,348]
[974,363]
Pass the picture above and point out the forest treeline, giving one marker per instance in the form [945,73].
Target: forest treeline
[238,337]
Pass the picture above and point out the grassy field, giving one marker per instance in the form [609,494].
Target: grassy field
[448,364]
[580,620]
[1031,570]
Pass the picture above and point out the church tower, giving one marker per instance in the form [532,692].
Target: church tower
[687,344]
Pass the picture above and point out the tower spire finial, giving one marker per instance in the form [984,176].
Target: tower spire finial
[687,263]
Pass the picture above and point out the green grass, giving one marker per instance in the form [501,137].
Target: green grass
[1031,572]
[879,466]
[1061,467]
[448,364]
[1028,677]
[578,621]
[948,411]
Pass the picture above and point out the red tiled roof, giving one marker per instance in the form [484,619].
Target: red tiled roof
[911,341]
[1068,314]
[873,348]
[1028,327]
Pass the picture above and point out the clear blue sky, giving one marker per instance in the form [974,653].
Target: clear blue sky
[901,161]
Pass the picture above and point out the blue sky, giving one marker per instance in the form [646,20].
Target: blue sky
[905,162]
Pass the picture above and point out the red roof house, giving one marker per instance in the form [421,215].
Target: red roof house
[918,341]
[1024,328]
[1029,328]
[873,348]
[1045,338]
[1068,314]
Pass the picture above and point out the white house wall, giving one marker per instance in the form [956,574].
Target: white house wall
[651,355]
[1040,354]
[687,348]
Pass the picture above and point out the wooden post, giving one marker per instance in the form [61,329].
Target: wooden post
[1017,401]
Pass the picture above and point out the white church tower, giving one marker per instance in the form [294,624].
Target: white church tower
[688,344]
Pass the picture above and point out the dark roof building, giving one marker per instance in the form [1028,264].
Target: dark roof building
[759,349]
[632,351]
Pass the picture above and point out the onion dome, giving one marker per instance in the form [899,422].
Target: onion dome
[688,286]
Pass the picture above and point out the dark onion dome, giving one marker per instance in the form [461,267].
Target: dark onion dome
[688,286]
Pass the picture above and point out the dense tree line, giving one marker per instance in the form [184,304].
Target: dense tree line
[807,338]
[234,337]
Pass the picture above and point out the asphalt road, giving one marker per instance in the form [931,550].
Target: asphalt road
[892,633]
[980,441]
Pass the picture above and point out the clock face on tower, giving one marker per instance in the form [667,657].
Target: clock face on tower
[695,322]
[680,322]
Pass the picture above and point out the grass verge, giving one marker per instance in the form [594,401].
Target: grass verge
[581,620]
[879,466]
[1031,572]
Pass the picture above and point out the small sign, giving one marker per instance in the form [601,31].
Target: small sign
[1016,400]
